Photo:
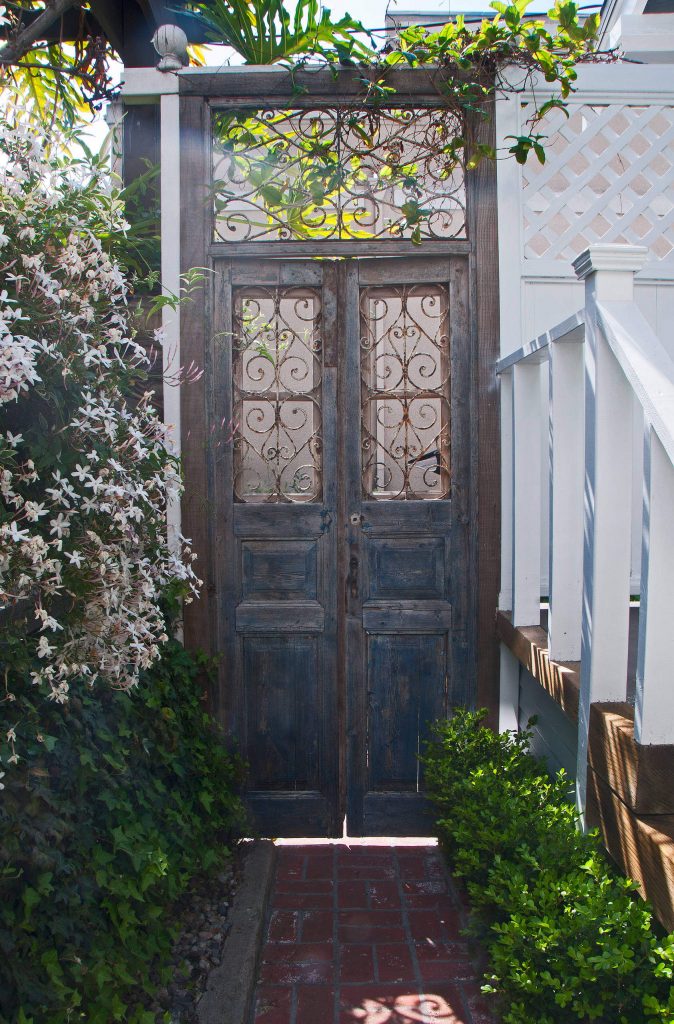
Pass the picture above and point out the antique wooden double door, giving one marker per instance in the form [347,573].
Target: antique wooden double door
[343,527]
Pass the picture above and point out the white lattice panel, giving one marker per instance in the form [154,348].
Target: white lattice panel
[608,177]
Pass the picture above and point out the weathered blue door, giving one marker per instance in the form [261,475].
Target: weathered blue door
[405,462]
[345,614]
[279,614]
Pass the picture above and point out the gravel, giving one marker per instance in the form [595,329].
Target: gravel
[202,916]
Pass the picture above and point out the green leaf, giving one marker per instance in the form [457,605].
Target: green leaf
[31,898]
[552,104]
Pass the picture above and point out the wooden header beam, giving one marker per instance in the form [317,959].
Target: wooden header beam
[275,86]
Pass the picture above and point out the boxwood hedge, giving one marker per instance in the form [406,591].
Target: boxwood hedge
[568,938]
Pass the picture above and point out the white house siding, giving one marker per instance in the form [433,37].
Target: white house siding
[553,736]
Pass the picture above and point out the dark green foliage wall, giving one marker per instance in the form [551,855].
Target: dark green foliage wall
[125,796]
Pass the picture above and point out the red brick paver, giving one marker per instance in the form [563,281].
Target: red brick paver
[366,934]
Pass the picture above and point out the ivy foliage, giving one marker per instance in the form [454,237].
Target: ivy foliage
[471,64]
[568,940]
[295,174]
[123,798]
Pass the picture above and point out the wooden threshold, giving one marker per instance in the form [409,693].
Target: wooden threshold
[630,788]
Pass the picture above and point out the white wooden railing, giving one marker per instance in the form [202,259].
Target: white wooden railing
[597,360]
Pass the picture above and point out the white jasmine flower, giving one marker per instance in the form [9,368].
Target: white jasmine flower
[44,648]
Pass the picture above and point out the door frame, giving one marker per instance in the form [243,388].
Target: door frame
[204,499]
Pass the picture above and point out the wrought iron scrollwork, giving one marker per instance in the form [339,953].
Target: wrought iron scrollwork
[405,377]
[277,374]
[320,174]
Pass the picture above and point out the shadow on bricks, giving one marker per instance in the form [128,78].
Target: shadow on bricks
[366,934]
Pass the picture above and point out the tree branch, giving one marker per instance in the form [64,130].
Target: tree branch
[74,72]
[16,48]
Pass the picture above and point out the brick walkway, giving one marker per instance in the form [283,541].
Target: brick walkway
[368,934]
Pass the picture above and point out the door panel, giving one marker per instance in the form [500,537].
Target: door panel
[406,545]
[405,568]
[406,687]
[283,575]
[281,674]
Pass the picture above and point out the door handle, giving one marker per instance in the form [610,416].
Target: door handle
[352,579]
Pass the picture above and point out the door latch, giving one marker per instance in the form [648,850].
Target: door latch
[352,579]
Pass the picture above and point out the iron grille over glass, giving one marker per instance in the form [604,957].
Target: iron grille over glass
[277,375]
[313,175]
[405,391]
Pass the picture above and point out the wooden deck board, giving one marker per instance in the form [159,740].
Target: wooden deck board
[529,644]
[643,846]
[641,776]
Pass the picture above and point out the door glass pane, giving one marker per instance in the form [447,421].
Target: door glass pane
[277,370]
[404,352]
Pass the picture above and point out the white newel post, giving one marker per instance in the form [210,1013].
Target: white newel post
[608,272]
[654,712]
[526,503]
[567,455]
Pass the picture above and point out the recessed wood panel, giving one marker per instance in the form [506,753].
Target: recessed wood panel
[282,711]
[409,568]
[279,570]
[406,692]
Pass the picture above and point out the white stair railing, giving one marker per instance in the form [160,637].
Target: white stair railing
[597,361]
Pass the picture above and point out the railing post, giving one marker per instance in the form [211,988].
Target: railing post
[526,504]
[506,594]
[608,271]
[566,498]
[654,712]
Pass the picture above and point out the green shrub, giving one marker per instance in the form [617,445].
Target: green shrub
[567,938]
[126,796]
